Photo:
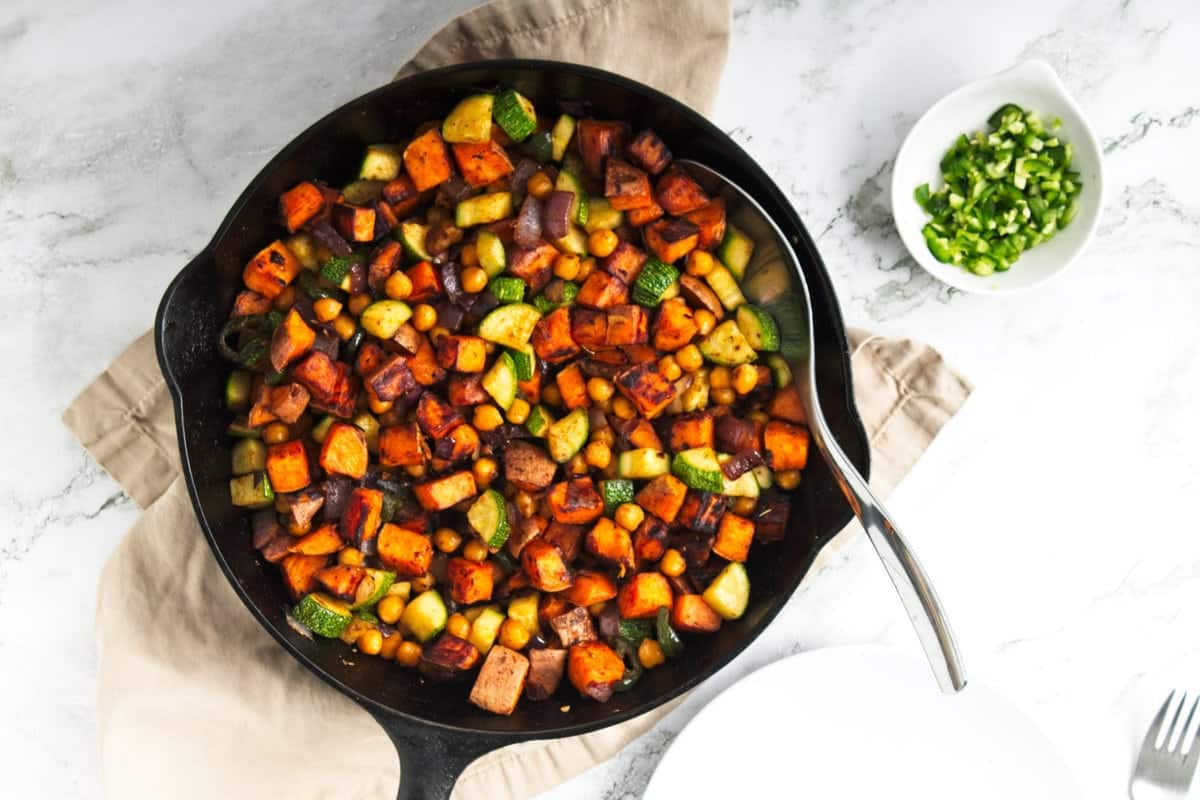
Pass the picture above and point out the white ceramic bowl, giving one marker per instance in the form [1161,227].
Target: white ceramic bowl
[1032,85]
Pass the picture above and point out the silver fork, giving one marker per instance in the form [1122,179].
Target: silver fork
[1167,761]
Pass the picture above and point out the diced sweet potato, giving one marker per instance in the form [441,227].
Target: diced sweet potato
[344,451]
[423,364]
[546,667]
[710,220]
[734,536]
[573,627]
[249,304]
[527,466]
[426,160]
[402,446]
[342,401]
[575,502]
[462,353]
[544,564]
[323,541]
[643,594]
[300,573]
[678,193]
[627,324]
[702,511]
[625,262]
[590,587]
[501,680]
[407,552]
[360,521]
[534,265]
[402,195]
[626,186]
[572,385]
[288,401]
[461,444]
[392,378]
[639,432]
[271,269]
[675,325]
[663,497]
[328,381]
[448,659]
[551,338]
[786,405]
[260,404]
[441,493]
[647,388]
[610,542]
[436,416]
[692,615]
[341,580]
[602,290]
[425,282]
[480,163]
[589,327]
[287,466]
[466,390]
[640,217]
[470,581]
[566,537]
[300,204]
[354,223]
[786,445]
[649,152]
[650,539]
[370,357]
[671,239]
[551,605]
[594,668]
[597,141]
[692,430]
[384,262]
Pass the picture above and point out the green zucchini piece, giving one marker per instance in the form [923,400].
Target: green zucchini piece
[237,390]
[508,289]
[249,455]
[560,136]
[383,162]
[485,628]
[602,216]
[240,429]
[539,421]
[523,361]
[616,491]
[323,615]
[726,345]
[322,428]
[643,463]
[735,251]
[251,491]
[763,476]
[491,253]
[488,517]
[384,317]
[372,588]
[699,469]
[482,209]
[425,615]
[567,436]
[653,282]
[574,242]
[726,287]
[412,237]
[729,592]
[361,193]
[781,373]
[514,114]
[470,121]
[510,325]
[539,147]
[501,381]
[758,327]
[569,181]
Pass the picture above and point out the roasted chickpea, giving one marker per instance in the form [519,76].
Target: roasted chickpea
[759,417]
[458,625]
[597,454]
[689,358]
[358,303]
[514,635]
[650,653]
[745,378]
[276,433]
[378,406]
[437,334]
[390,608]
[787,478]
[487,417]
[475,550]
[424,317]
[672,564]
[415,470]
[469,255]
[474,280]
[604,435]
[699,263]
[669,368]
[705,321]
[447,540]
[586,267]
[484,471]
[601,243]
[551,396]
[423,583]
[622,408]
[539,185]
[596,609]
[720,377]
[744,506]
[723,397]
[327,309]
[518,412]
[350,557]
[344,326]
[398,286]
[578,464]
[390,645]
[408,654]
[629,516]
[599,389]
[370,642]
[526,503]
[566,266]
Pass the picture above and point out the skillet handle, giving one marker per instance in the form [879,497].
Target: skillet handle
[431,759]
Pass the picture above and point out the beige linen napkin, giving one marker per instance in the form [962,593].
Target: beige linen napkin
[195,700]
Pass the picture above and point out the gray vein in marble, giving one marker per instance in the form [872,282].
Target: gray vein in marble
[1142,123]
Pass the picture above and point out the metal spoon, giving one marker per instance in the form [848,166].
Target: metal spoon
[767,283]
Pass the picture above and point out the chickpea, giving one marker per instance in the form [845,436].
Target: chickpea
[276,433]
[759,417]
[745,378]
[599,389]
[699,263]
[390,645]
[469,255]
[458,625]
[622,408]
[526,503]
[566,266]
[601,243]
[350,557]
[723,397]
[327,309]
[474,280]
[345,326]
[398,287]
[578,465]
[596,609]
[447,540]
[285,299]
[650,653]
[518,412]
[358,303]
[672,564]
[484,471]
[437,334]
[744,506]
[539,185]
[514,635]
[551,396]
[370,642]
[378,406]
[424,317]
[689,358]
[597,454]
[669,368]
[604,436]
[475,550]
[787,479]
[415,470]
[720,377]
[390,608]
[705,321]
[423,583]
[629,516]
[487,417]
[408,654]
[586,267]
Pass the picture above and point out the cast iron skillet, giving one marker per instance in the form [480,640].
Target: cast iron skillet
[437,733]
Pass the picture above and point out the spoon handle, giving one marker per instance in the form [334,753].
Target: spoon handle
[913,585]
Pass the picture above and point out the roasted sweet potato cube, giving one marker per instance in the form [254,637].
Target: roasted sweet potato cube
[300,204]
[402,195]
[341,580]
[501,680]
[402,446]
[573,627]
[546,668]
[462,353]
[551,340]
[638,432]
[288,401]
[370,357]
[786,445]
[699,293]
[249,304]
[675,325]
[594,668]
[734,536]
[627,324]
[610,542]
[344,451]
[786,405]
[466,390]
[319,374]
[647,388]
[602,290]
[287,466]
[566,537]
[448,659]
[354,223]
[271,269]
[671,239]
[441,493]
[663,497]
[572,385]
[407,552]
[650,539]
[436,416]
[392,378]
[300,573]
[384,262]
[426,160]
[626,186]
[461,444]
[597,141]
[692,430]
[590,587]
[625,262]
[534,265]
[544,564]
[641,217]
[528,466]
[551,605]
[701,512]
[423,364]
[260,404]
[360,521]
[480,163]
[470,581]
[678,193]
[643,595]
[589,327]
[425,282]
[323,541]
[649,152]
[710,220]
[575,502]
[343,400]
[692,615]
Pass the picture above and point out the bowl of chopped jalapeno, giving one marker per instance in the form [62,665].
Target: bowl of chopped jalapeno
[999,186]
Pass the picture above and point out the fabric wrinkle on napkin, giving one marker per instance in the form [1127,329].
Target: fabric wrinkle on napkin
[195,699]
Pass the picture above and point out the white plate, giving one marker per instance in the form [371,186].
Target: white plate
[859,722]
[1032,85]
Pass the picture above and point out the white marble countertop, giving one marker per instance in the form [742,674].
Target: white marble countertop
[1052,512]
